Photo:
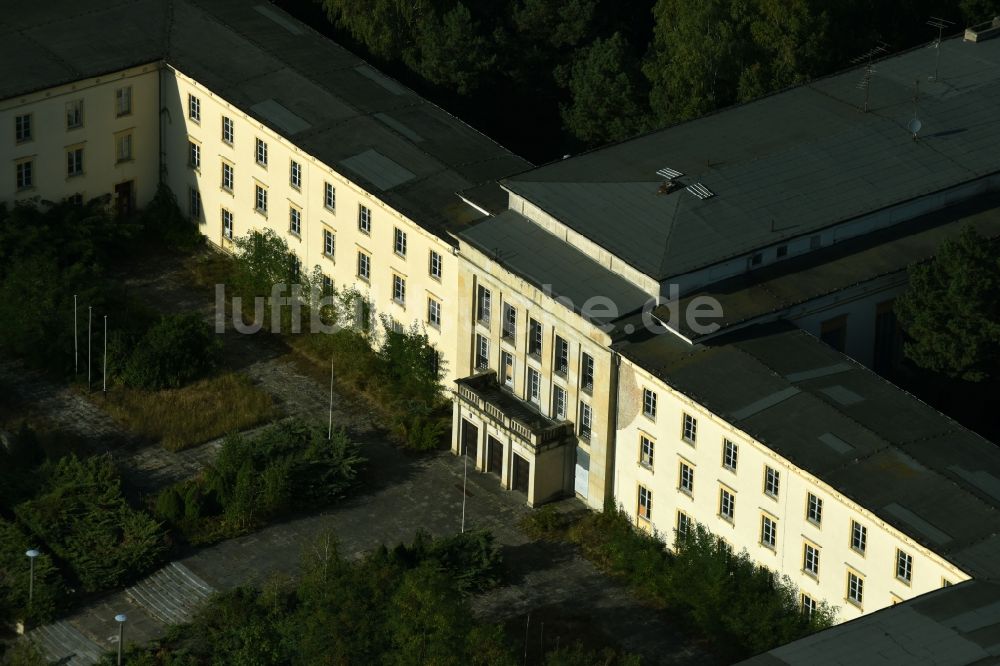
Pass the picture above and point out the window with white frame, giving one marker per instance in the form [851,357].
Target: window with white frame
[690,429]
[364,266]
[227,130]
[645,503]
[768,532]
[507,369]
[194,155]
[329,243]
[74,114]
[859,537]
[227,224]
[22,128]
[194,203]
[586,372]
[533,391]
[685,482]
[562,356]
[329,196]
[855,588]
[296,265]
[194,108]
[123,147]
[808,605]
[684,524]
[534,338]
[295,221]
[399,289]
[484,300]
[434,265]
[727,505]
[814,509]
[364,219]
[730,454]
[123,101]
[227,177]
[508,327]
[649,403]
[295,174]
[810,559]
[482,352]
[260,199]
[772,481]
[904,566]
[260,151]
[646,451]
[399,241]
[25,174]
[74,162]
[434,312]
[586,420]
[558,402]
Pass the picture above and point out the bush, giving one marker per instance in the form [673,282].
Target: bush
[471,559]
[14,574]
[163,222]
[170,505]
[173,352]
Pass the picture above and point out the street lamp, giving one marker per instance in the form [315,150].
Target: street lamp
[31,554]
[120,619]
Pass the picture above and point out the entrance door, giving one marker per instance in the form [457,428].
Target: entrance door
[494,460]
[522,473]
[582,476]
[124,197]
[470,438]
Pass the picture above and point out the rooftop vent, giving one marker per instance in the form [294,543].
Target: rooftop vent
[669,173]
[700,191]
[983,31]
[667,186]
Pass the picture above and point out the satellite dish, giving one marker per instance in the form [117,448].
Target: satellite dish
[914,127]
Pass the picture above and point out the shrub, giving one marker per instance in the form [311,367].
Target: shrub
[162,221]
[170,504]
[14,574]
[173,352]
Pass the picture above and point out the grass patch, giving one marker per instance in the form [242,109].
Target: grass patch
[185,417]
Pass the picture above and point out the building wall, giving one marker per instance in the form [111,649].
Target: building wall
[788,510]
[51,139]
[343,220]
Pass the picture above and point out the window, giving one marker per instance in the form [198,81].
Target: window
[364,219]
[483,305]
[649,403]
[645,503]
[507,369]
[683,524]
[227,177]
[74,114]
[727,505]
[730,454]
[534,388]
[782,251]
[75,199]
[772,479]
[364,266]
[646,447]
[834,332]
[329,196]
[194,108]
[562,356]
[296,266]
[261,152]
[810,560]
[261,199]
[329,243]
[22,128]
[686,479]
[690,431]
[508,328]
[558,402]
[295,174]
[587,372]
[194,203]
[227,224]
[808,605]
[586,420]
[194,155]
[399,242]
[768,532]
[756,259]
[815,242]
[123,147]
[123,101]
[534,338]
[295,221]
[399,289]
[434,265]
[25,174]
[904,566]
[859,537]
[74,162]
[433,312]
[814,509]
[227,130]
[855,588]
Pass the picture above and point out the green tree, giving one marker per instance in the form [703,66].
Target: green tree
[451,50]
[556,23]
[176,350]
[951,309]
[385,27]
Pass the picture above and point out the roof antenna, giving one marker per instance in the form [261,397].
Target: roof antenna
[868,58]
[940,24]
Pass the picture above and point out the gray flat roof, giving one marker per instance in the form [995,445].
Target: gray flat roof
[548,262]
[910,465]
[782,166]
[405,150]
[954,626]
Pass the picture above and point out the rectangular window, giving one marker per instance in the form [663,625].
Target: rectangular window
[727,505]
[123,147]
[859,537]
[74,114]
[649,403]
[483,352]
[533,391]
[768,532]
[227,177]
[534,338]
[508,327]
[855,588]
[123,101]
[329,196]
[690,431]
[75,199]
[227,130]
[296,266]
[562,356]
[22,128]
[295,174]
[808,605]
[434,265]
[329,243]
[558,402]
[484,307]
[433,312]
[507,369]
[645,503]
[587,372]
[399,289]
[646,447]
[904,566]
[194,155]
[399,242]
[686,478]
[295,221]
[810,560]
[586,420]
[194,108]
[261,152]
[74,162]
[364,266]
[683,524]
[25,174]
[814,509]
[261,199]
[364,219]
[730,454]
[772,479]
[194,203]
[227,224]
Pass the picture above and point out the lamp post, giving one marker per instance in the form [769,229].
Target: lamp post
[31,554]
[120,619]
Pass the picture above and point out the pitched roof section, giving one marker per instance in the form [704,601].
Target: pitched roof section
[782,166]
